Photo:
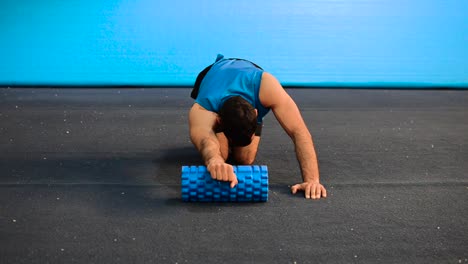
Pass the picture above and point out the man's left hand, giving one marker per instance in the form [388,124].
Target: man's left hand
[312,190]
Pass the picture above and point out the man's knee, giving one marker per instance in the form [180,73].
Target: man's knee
[245,162]
[223,145]
[245,158]
[247,155]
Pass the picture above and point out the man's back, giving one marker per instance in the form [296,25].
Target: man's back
[228,78]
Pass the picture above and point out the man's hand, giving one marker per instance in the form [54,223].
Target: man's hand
[313,190]
[222,171]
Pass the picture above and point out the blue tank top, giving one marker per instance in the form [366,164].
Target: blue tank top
[228,78]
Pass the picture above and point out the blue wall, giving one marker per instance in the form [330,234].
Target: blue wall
[302,42]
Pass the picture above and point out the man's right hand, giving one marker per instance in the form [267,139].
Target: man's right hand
[222,171]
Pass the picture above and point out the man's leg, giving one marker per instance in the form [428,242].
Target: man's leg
[223,145]
[246,155]
[240,155]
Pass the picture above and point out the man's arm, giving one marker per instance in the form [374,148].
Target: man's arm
[201,124]
[273,95]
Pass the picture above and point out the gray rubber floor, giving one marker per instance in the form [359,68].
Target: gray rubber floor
[93,176]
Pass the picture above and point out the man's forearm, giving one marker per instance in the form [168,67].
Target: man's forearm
[307,157]
[209,149]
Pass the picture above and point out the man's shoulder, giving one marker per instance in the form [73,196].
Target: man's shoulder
[270,91]
[199,108]
[200,118]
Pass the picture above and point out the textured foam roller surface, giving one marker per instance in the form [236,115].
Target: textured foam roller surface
[198,186]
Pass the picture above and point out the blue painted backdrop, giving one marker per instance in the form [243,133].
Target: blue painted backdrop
[302,42]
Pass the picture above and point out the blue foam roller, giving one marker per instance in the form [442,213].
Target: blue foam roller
[198,186]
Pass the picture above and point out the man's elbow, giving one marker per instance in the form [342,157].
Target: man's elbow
[300,134]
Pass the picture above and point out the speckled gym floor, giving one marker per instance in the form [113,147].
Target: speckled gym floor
[93,176]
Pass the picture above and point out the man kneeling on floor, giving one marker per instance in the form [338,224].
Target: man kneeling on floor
[231,98]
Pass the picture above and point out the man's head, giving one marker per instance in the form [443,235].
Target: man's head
[238,120]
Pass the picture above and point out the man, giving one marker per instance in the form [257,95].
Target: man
[231,98]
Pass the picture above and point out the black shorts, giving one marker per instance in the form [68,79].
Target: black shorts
[258,131]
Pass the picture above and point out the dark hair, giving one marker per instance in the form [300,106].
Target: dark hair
[238,120]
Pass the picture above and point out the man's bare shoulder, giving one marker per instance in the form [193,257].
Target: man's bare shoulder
[198,107]
[271,92]
[199,116]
